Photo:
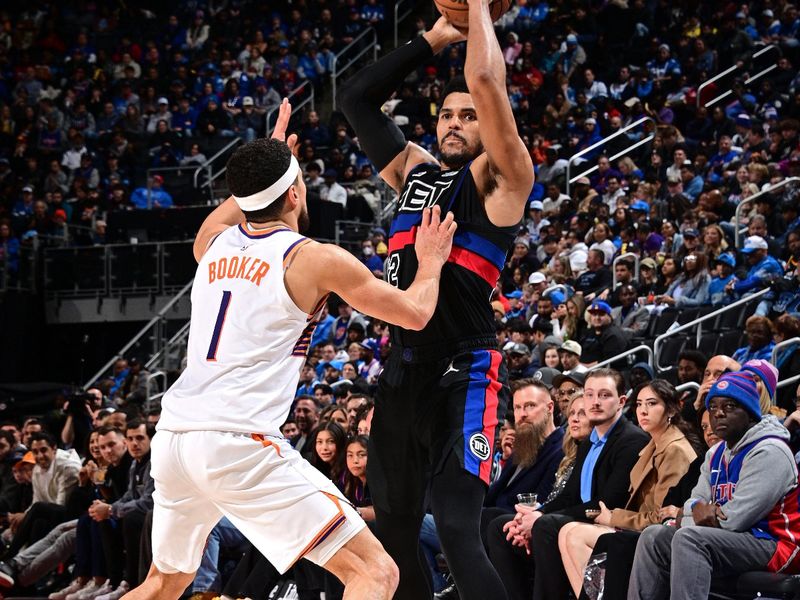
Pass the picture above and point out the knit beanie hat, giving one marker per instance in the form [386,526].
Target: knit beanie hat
[765,371]
[740,387]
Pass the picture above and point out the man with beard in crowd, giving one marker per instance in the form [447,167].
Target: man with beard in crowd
[306,415]
[534,461]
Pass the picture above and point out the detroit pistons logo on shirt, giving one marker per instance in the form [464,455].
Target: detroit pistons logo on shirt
[479,446]
[419,194]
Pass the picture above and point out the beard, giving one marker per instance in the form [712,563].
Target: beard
[303,221]
[455,159]
[528,440]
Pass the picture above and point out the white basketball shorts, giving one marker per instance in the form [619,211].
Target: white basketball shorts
[284,506]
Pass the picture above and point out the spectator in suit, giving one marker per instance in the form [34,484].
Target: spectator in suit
[601,473]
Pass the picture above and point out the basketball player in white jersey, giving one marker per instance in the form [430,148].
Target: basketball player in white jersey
[257,293]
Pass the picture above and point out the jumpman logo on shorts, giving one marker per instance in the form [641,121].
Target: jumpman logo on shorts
[450,369]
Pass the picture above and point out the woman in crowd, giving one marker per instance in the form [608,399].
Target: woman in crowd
[353,481]
[562,271]
[578,429]
[574,325]
[601,240]
[328,441]
[661,465]
[335,414]
[551,358]
[689,288]
[714,241]
[669,273]
[766,376]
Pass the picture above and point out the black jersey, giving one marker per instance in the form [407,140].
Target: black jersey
[463,316]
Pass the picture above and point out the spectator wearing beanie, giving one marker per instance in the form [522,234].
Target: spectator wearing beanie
[766,377]
[734,518]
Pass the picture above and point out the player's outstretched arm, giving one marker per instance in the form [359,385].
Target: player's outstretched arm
[509,165]
[362,96]
[338,271]
[228,213]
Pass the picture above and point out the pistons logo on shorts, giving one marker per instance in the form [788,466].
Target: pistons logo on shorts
[479,446]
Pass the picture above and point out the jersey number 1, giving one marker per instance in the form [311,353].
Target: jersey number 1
[223,310]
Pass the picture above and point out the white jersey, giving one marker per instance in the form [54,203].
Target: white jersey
[247,340]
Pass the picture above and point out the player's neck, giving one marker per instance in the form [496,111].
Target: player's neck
[268,225]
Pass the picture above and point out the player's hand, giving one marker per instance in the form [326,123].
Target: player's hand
[279,133]
[435,236]
[447,32]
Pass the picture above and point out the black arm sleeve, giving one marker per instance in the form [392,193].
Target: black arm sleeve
[362,96]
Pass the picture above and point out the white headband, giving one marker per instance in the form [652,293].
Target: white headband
[266,197]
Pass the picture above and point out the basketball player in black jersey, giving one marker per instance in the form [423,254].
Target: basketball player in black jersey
[444,387]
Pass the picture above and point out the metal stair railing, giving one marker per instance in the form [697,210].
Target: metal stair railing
[773,359]
[749,201]
[689,385]
[401,16]
[212,176]
[613,359]
[605,140]
[783,383]
[270,127]
[336,70]
[163,353]
[151,379]
[156,324]
[698,323]
[733,69]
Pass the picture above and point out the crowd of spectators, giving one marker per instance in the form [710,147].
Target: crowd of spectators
[92,96]
[90,100]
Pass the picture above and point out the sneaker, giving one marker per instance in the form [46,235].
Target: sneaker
[7,575]
[99,591]
[122,589]
[73,587]
[86,587]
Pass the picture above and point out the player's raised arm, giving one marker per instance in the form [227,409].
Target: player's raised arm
[338,271]
[509,165]
[362,96]
[228,213]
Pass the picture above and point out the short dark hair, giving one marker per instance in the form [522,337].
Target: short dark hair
[619,380]
[136,423]
[253,168]
[542,326]
[106,429]
[695,356]
[43,436]
[457,85]
[625,263]
[8,436]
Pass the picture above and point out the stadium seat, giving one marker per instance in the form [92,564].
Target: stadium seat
[756,584]
[708,344]
[729,342]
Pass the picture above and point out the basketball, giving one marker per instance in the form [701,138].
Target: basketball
[457,11]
